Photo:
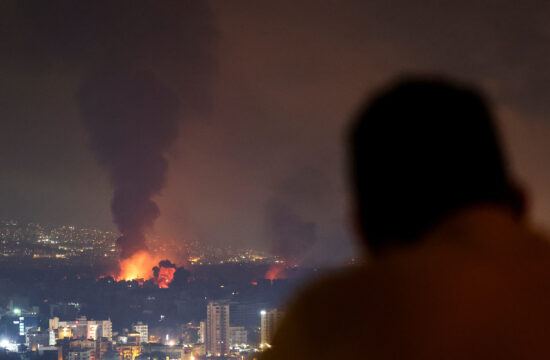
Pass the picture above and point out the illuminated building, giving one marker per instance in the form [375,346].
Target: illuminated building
[82,349]
[80,354]
[133,339]
[217,328]
[128,352]
[82,328]
[268,324]
[91,332]
[143,331]
[105,329]
[202,332]
[154,339]
[52,337]
[64,332]
[15,324]
[238,335]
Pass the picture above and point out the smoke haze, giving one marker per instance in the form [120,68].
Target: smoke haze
[141,68]
[285,77]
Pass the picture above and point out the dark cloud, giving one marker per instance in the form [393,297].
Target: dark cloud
[163,264]
[291,235]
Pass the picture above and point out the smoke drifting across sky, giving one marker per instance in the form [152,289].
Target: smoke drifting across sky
[290,75]
[143,66]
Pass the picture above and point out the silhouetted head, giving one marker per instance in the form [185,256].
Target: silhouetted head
[421,150]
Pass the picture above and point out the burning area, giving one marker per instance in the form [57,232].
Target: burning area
[164,273]
[138,266]
[143,266]
[130,102]
[275,271]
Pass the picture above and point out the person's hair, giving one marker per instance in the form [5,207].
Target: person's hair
[421,150]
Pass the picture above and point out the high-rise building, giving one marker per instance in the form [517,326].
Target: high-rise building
[202,332]
[105,329]
[143,331]
[268,324]
[217,328]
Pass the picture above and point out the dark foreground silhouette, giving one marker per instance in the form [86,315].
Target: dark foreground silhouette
[455,270]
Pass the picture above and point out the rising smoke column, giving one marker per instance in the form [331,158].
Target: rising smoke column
[290,234]
[132,119]
[140,68]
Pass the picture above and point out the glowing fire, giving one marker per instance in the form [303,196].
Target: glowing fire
[138,266]
[275,271]
[144,266]
[165,276]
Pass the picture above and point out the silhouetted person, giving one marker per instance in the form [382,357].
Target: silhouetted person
[455,271]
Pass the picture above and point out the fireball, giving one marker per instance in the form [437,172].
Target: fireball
[138,266]
[165,276]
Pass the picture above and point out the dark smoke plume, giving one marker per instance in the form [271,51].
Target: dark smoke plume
[132,119]
[291,235]
[142,65]
[163,264]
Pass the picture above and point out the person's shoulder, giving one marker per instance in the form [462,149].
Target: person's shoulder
[319,306]
[332,288]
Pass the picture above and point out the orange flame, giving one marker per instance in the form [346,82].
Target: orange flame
[138,266]
[165,277]
[275,271]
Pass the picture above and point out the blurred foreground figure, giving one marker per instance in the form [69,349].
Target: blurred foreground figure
[455,270]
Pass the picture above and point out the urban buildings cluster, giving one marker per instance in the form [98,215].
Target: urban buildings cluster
[222,339]
[54,308]
[55,242]
[38,241]
[216,337]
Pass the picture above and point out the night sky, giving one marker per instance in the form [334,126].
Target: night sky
[266,89]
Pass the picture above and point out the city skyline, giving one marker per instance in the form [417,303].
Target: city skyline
[203,180]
